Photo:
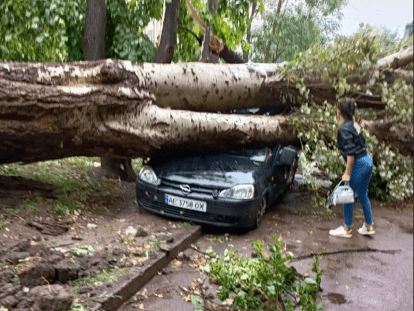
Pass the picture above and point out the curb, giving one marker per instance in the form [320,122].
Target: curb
[117,296]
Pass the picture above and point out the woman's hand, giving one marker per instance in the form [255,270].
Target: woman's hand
[346,177]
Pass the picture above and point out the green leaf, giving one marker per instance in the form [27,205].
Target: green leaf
[39,39]
[195,300]
[8,38]
[310,281]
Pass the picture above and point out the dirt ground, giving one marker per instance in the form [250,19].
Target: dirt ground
[352,281]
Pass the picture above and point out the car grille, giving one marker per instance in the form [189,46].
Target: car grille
[189,214]
[194,188]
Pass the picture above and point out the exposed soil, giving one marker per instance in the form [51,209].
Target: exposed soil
[64,252]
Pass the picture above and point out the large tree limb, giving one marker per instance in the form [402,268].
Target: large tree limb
[397,60]
[106,108]
[190,86]
[139,128]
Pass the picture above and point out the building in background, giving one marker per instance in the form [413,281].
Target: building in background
[154,30]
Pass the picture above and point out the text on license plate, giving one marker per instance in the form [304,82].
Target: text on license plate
[185,203]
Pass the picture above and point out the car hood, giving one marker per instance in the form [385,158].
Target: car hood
[222,171]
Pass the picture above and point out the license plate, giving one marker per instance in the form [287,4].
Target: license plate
[194,205]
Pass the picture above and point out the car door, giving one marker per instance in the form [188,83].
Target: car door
[277,181]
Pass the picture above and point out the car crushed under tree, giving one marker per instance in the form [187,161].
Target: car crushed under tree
[228,189]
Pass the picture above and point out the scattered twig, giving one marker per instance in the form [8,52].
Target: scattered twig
[48,284]
[357,250]
[197,250]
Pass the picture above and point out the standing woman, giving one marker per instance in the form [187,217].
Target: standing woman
[358,170]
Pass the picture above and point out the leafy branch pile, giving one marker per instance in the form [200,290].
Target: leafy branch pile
[350,67]
[262,283]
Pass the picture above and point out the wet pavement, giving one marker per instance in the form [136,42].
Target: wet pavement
[352,281]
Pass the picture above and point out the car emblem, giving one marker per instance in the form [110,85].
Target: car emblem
[185,189]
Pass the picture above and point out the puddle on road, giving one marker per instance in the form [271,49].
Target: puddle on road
[335,298]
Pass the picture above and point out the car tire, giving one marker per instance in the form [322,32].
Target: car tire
[260,213]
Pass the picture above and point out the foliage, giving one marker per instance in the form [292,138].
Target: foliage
[229,23]
[41,30]
[346,65]
[52,30]
[126,21]
[83,250]
[259,284]
[388,39]
[3,224]
[294,28]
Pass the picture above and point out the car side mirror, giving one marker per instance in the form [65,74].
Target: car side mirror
[287,155]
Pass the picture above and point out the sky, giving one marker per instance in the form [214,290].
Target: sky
[393,14]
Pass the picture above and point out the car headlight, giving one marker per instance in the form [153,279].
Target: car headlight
[238,192]
[148,175]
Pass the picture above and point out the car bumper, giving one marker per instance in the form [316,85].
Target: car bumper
[220,211]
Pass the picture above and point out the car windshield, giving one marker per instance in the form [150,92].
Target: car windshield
[254,154]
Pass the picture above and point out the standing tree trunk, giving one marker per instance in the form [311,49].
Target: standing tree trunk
[165,50]
[95,30]
[267,51]
[249,30]
[94,49]
[212,6]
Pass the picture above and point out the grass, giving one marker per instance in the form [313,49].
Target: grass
[71,178]
[105,276]
[183,224]
[15,271]
[3,223]
[77,307]
[316,214]
[153,247]
[220,239]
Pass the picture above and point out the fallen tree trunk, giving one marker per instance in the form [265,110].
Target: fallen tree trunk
[190,86]
[107,108]
[132,131]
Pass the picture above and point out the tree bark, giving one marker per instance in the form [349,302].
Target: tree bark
[95,30]
[249,30]
[190,86]
[107,108]
[94,49]
[165,50]
[397,60]
[212,6]
[267,51]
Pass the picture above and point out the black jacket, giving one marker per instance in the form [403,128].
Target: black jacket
[350,143]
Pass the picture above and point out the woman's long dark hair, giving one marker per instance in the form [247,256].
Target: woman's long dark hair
[347,106]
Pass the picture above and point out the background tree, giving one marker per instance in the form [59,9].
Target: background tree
[289,27]
[42,30]
[408,30]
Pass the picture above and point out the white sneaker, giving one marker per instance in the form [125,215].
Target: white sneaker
[366,229]
[342,232]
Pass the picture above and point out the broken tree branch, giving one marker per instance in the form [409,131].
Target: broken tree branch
[357,250]
[397,60]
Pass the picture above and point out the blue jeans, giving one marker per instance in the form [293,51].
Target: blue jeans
[360,177]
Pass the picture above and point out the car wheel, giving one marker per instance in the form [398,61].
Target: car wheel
[260,213]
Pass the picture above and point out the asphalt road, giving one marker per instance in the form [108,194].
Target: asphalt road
[352,281]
